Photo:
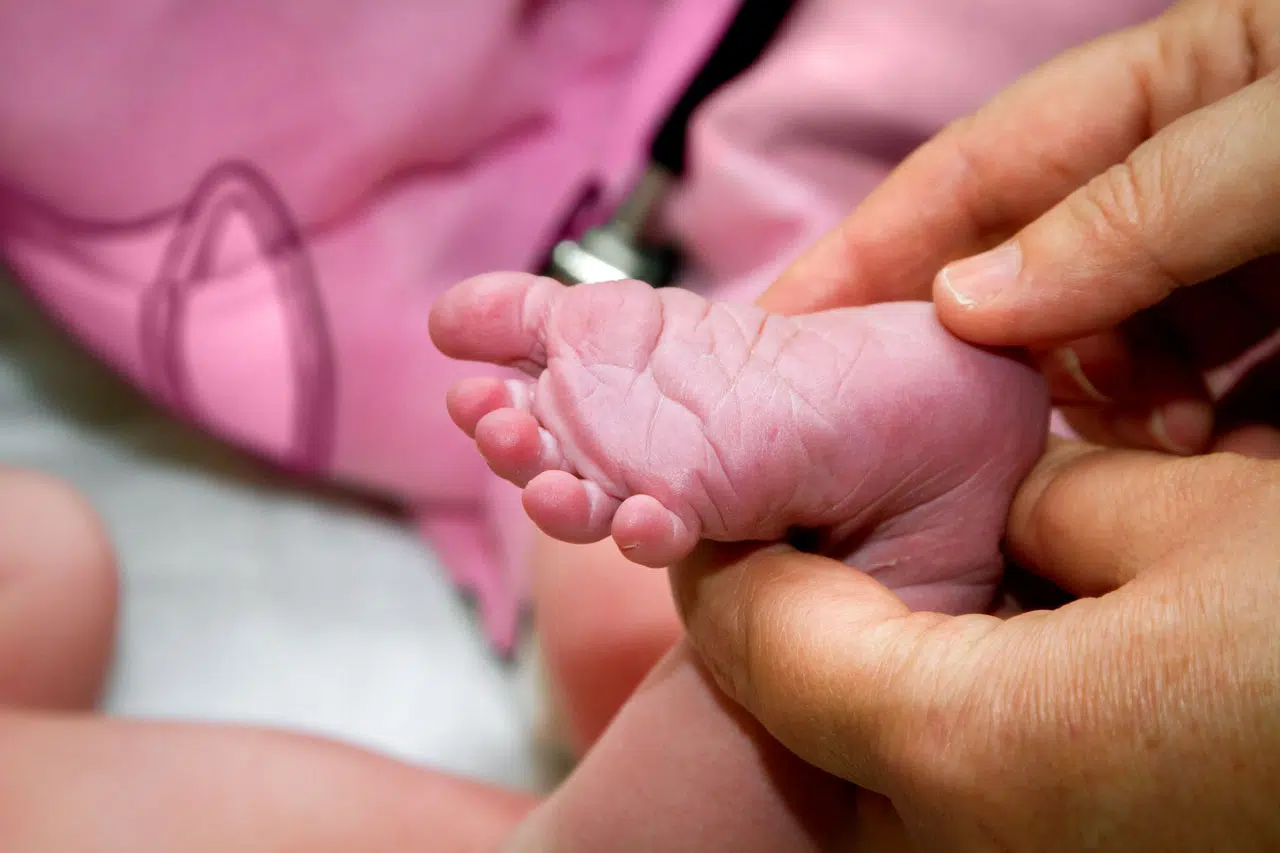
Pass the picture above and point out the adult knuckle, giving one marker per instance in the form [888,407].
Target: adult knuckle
[949,740]
[726,653]
[1120,202]
[1128,207]
[767,648]
[977,166]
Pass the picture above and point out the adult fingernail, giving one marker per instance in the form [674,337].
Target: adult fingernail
[1182,427]
[977,280]
[1070,364]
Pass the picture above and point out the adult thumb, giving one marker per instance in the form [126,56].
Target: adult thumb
[836,667]
[1197,199]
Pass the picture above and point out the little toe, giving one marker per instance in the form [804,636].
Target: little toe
[498,318]
[513,444]
[472,399]
[650,534]
[569,509]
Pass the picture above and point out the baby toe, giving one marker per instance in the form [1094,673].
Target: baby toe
[511,442]
[650,534]
[497,317]
[569,509]
[472,399]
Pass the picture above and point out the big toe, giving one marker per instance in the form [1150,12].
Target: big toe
[496,318]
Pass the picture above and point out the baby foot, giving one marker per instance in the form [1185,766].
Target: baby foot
[661,418]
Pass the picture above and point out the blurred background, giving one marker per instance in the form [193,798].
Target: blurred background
[248,599]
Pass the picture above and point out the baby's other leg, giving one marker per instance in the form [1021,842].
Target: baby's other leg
[57,595]
[75,783]
[681,768]
[601,624]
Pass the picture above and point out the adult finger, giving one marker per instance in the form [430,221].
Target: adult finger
[1151,381]
[1136,385]
[986,176]
[1195,201]
[1256,440]
[1250,411]
[816,652]
[834,665]
[1090,519]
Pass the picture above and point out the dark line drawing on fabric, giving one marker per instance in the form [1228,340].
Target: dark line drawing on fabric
[237,189]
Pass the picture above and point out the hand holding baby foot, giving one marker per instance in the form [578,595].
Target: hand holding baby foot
[1131,190]
[662,418]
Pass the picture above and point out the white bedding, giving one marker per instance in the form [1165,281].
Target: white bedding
[246,599]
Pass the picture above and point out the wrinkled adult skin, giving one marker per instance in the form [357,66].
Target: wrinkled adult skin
[1144,719]
[1146,714]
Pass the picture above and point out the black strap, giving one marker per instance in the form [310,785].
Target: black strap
[746,38]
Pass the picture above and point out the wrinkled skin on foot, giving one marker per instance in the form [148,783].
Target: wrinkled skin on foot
[661,418]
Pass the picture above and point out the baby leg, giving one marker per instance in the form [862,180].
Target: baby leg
[600,624]
[57,595]
[680,769]
[73,784]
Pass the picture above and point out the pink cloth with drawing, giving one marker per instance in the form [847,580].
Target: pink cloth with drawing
[248,206]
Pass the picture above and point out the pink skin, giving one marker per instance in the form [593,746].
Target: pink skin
[682,768]
[694,418]
[661,418]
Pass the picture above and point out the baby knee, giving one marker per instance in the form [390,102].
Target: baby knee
[59,585]
[49,528]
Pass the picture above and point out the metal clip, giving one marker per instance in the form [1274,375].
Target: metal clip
[622,247]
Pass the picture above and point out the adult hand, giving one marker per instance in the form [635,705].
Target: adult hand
[1110,181]
[1146,715]
[1145,718]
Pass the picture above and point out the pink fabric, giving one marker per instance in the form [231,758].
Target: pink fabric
[247,206]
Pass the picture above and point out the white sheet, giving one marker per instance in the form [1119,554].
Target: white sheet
[248,600]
